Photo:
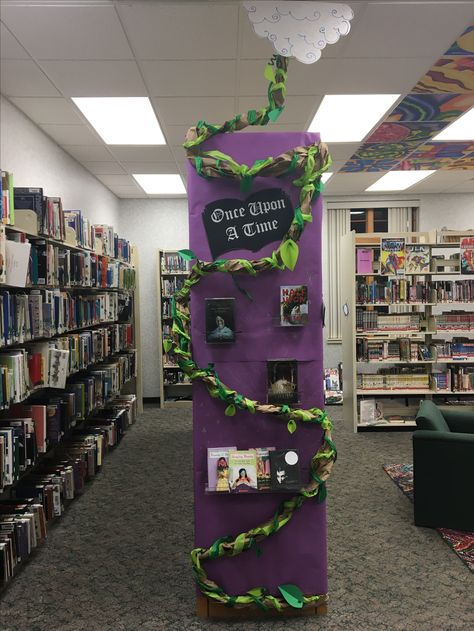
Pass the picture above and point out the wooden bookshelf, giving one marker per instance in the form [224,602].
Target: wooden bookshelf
[171,272]
[435,328]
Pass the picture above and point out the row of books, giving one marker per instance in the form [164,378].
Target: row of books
[53,265]
[7,212]
[42,495]
[173,377]
[252,470]
[454,291]
[397,291]
[52,221]
[371,412]
[173,263]
[398,258]
[49,364]
[32,430]
[457,379]
[455,320]
[48,312]
[398,381]
[170,286]
[405,349]
[374,321]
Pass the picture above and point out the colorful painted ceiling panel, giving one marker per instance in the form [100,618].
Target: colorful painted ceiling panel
[403,132]
[431,107]
[464,45]
[449,74]
[385,151]
[354,166]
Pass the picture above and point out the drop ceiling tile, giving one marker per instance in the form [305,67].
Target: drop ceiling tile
[71,134]
[151,167]
[48,111]
[465,187]
[411,29]
[189,78]
[338,76]
[436,150]
[9,47]
[402,132]
[104,168]
[441,181]
[464,44]
[385,151]
[116,180]
[24,78]
[431,107]
[157,153]
[68,32]
[297,108]
[96,78]
[179,111]
[349,183]
[181,31]
[175,134]
[448,74]
[342,151]
[89,153]
[127,191]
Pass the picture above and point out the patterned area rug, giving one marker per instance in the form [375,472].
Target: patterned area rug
[461,542]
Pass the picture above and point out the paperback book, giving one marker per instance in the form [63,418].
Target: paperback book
[392,256]
[243,471]
[218,468]
[263,468]
[293,305]
[467,255]
[220,320]
[365,260]
[285,470]
[282,382]
[417,259]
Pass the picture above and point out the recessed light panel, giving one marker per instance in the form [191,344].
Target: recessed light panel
[398,180]
[161,183]
[350,117]
[122,120]
[326,176]
[461,129]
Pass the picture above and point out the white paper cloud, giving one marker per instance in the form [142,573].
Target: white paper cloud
[300,29]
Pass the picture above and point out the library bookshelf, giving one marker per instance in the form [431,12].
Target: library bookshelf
[407,336]
[70,369]
[175,387]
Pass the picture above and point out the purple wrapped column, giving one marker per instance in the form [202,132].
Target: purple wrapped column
[297,554]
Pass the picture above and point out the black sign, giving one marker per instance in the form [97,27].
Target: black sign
[235,224]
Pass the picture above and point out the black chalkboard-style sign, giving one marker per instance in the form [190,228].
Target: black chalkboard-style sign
[235,224]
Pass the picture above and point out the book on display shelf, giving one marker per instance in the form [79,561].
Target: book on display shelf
[285,470]
[282,382]
[220,320]
[293,305]
[392,256]
[218,468]
[243,471]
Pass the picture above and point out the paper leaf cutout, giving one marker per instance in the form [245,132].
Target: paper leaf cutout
[187,255]
[167,345]
[292,594]
[300,29]
[291,426]
[269,73]
[230,410]
[289,253]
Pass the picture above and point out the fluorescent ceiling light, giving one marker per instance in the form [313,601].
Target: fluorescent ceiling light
[326,176]
[461,129]
[350,117]
[398,180]
[161,183]
[122,120]
[357,212]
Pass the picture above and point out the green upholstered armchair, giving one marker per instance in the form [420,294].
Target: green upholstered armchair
[443,466]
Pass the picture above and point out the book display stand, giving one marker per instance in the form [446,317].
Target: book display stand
[293,564]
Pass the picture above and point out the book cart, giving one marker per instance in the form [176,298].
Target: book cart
[297,556]
[407,336]
[175,386]
[64,412]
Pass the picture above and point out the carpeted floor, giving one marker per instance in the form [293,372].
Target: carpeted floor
[118,560]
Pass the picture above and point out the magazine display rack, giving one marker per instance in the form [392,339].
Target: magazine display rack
[408,325]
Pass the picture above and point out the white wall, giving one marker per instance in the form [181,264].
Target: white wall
[152,224]
[36,160]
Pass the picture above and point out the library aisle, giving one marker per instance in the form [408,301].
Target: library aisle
[118,559]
